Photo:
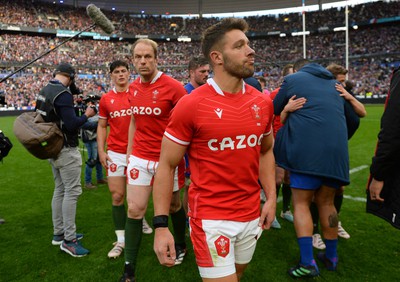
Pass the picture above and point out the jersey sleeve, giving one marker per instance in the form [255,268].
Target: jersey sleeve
[180,127]
[180,91]
[102,108]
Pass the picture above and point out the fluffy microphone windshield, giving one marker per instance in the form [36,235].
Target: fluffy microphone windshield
[99,18]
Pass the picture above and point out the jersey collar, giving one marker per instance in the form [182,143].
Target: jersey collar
[115,90]
[217,89]
[159,73]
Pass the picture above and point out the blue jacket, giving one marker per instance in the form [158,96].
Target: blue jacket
[313,139]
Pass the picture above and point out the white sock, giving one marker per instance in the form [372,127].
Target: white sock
[120,236]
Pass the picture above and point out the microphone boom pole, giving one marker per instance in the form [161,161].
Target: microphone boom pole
[47,52]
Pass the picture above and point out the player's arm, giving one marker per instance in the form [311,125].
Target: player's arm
[385,161]
[131,134]
[292,106]
[267,179]
[358,107]
[101,142]
[171,155]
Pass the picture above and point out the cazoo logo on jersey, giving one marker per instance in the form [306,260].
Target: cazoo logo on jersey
[146,111]
[136,110]
[238,142]
[121,113]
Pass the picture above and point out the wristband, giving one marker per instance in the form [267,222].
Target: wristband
[160,221]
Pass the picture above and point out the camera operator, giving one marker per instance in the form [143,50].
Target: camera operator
[56,101]
[89,135]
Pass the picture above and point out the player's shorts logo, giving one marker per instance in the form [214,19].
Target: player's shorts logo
[134,173]
[222,244]
[113,167]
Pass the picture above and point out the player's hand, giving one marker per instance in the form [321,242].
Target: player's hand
[104,159]
[375,189]
[343,92]
[164,246]
[267,214]
[294,104]
[90,111]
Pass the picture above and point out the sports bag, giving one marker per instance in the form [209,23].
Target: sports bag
[5,145]
[42,139]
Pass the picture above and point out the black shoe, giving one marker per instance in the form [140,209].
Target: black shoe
[128,275]
[302,271]
[127,278]
[330,265]
[180,254]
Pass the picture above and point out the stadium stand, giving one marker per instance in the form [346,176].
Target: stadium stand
[27,30]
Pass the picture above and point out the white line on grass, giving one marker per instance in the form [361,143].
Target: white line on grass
[356,169]
[357,199]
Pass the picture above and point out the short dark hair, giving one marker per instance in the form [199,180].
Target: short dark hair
[336,69]
[299,64]
[286,69]
[196,62]
[118,63]
[212,36]
[261,79]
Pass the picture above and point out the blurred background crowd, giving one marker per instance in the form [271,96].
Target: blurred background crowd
[373,50]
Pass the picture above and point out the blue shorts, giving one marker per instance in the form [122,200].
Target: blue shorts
[312,182]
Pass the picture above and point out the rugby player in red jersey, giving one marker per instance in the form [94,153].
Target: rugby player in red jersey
[115,111]
[152,96]
[226,127]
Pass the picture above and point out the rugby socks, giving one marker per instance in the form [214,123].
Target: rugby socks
[315,217]
[120,236]
[133,237]
[338,200]
[179,224]
[331,249]
[119,217]
[286,195]
[277,190]
[306,251]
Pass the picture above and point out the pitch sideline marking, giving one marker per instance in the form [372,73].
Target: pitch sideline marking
[359,168]
[357,199]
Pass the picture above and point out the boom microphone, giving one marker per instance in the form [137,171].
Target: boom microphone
[99,18]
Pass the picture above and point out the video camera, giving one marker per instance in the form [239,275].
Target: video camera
[92,98]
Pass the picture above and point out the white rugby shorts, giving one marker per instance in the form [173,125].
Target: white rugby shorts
[220,244]
[141,172]
[118,165]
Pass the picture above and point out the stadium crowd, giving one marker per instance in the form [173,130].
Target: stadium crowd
[370,66]
[23,13]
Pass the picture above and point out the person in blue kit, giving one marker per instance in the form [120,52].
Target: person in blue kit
[56,104]
[312,145]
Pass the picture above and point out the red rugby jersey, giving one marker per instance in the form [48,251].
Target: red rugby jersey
[223,133]
[151,104]
[116,109]
[277,119]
